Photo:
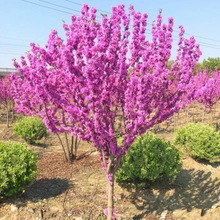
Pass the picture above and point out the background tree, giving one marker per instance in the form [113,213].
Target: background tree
[6,100]
[32,97]
[207,87]
[211,63]
[198,67]
[108,81]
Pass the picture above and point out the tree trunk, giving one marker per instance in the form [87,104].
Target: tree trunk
[71,148]
[110,198]
[12,112]
[111,169]
[7,118]
[68,147]
[69,156]
[12,115]
[65,154]
[76,145]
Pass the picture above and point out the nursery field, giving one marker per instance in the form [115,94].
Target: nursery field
[78,190]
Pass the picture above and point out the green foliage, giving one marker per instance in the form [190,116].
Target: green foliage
[211,63]
[197,67]
[17,168]
[31,129]
[170,63]
[201,141]
[149,158]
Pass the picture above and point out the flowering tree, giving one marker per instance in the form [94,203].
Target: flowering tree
[107,81]
[6,100]
[32,99]
[33,92]
[206,86]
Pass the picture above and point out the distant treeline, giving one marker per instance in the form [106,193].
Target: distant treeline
[211,63]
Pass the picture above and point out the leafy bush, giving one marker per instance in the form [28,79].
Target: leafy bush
[17,168]
[200,141]
[31,129]
[149,158]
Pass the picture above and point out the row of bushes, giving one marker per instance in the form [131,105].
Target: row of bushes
[148,159]
[199,140]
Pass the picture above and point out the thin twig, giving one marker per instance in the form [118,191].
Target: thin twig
[62,147]
[67,146]
[64,201]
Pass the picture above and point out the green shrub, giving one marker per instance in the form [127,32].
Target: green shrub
[149,158]
[200,141]
[31,129]
[17,168]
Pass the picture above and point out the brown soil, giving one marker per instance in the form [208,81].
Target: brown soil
[78,190]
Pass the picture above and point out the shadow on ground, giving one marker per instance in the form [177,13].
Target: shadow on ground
[45,189]
[39,190]
[40,145]
[192,189]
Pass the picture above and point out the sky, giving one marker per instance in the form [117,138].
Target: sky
[26,21]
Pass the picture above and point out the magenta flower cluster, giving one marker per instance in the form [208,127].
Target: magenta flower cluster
[105,74]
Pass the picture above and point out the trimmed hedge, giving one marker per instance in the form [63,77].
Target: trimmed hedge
[18,168]
[201,141]
[149,158]
[31,129]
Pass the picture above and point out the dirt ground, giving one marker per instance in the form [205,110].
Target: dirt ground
[78,191]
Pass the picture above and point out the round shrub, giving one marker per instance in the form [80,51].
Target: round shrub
[18,168]
[149,158]
[31,129]
[201,141]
